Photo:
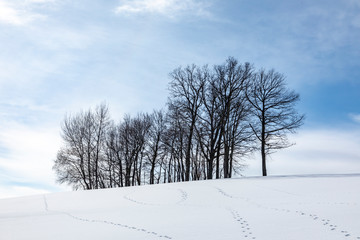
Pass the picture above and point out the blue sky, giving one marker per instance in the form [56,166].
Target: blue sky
[61,56]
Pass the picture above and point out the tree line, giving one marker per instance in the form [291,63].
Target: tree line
[214,117]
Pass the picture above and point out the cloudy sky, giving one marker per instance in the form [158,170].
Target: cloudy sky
[61,56]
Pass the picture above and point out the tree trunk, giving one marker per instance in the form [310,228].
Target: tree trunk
[152,173]
[210,168]
[263,142]
[263,157]
[188,153]
[226,159]
[218,163]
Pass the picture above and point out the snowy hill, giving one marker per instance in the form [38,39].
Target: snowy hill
[294,207]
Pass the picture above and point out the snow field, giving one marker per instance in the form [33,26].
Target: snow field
[299,207]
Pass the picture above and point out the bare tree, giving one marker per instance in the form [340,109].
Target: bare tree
[185,89]
[273,108]
[231,78]
[215,116]
[78,161]
[133,134]
[223,126]
[155,144]
[115,157]
[208,130]
[175,141]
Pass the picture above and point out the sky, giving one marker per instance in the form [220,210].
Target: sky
[63,56]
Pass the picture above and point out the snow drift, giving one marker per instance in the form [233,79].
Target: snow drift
[288,207]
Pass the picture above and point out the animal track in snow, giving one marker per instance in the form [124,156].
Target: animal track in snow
[140,202]
[245,228]
[330,203]
[184,196]
[105,222]
[228,195]
[325,222]
[224,193]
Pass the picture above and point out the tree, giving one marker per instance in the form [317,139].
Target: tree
[215,116]
[79,162]
[114,156]
[133,134]
[231,78]
[174,140]
[223,118]
[273,108]
[208,130]
[185,89]
[155,144]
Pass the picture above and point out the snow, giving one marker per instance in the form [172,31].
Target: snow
[283,207]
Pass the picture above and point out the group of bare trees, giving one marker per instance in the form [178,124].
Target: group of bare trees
[214,117]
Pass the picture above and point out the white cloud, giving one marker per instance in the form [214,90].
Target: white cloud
[28,158]
[319,151]
[39,1]
[18,191]
[355,117]
[169,8]
[19,12]
[11,15]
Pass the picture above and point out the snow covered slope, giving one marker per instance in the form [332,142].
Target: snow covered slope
[297,207]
